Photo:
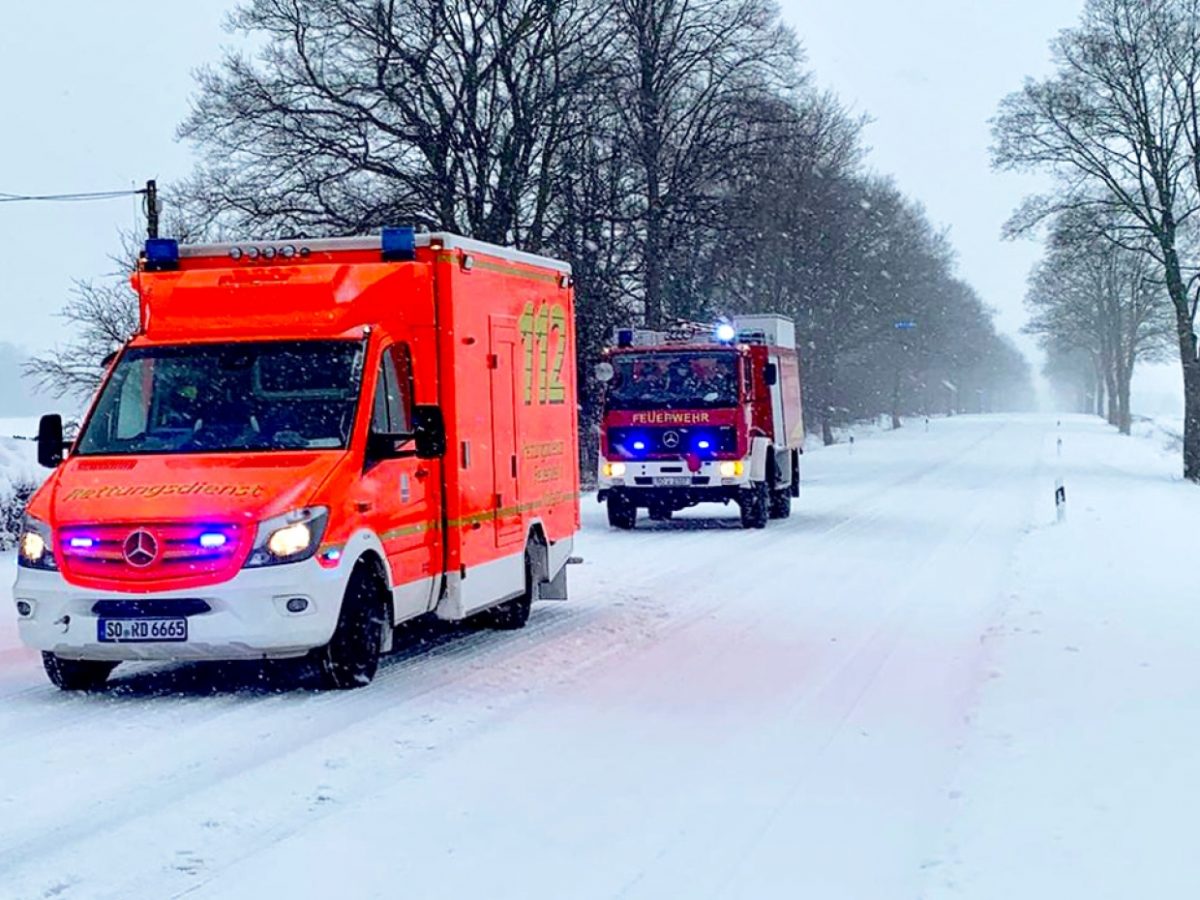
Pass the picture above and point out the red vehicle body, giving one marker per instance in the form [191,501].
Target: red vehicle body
[694,419]
[305,444]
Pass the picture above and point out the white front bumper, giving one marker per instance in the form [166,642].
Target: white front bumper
[672,468]
[248,618]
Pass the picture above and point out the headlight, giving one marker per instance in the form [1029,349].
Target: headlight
[732,468]
[614,470]
[35,547]
[288,538]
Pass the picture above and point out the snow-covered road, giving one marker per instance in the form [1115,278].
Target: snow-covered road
[715,713]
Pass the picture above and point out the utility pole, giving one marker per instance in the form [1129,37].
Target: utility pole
[151,193]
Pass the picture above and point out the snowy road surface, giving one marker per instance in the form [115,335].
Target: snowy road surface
[916,687]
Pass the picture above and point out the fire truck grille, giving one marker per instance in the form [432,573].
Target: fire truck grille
[642,443]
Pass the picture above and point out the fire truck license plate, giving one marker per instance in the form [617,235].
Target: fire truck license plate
[116,631]
[672,481]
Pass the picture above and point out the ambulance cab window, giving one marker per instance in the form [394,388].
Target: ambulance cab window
[393,392]
[214,398]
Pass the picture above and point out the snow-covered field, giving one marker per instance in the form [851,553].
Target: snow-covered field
[919,686]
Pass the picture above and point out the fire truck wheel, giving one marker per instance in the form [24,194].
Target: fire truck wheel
[622,513]
[781,503]
[77,674]
[513,614]
[754,505]
[351,657]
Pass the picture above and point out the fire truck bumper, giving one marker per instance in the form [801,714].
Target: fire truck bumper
[272,612]
[671,482]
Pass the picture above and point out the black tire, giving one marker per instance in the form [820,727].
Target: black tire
[794,490]
[622,513]
[754,503]
[781,503]
[77,674]
[513,614]
[351,658]
[660,512]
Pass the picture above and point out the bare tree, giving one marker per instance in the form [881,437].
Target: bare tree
[1118,123]
[361,113]
[691,80]
[102,315]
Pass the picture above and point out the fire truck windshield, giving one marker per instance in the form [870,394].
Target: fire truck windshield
[684,380]
[204,398]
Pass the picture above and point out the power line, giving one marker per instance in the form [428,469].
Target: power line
[67,198]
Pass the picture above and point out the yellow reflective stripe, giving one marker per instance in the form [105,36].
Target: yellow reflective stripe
[472,519]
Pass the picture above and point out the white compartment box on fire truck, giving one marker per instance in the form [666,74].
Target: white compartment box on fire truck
[702,414]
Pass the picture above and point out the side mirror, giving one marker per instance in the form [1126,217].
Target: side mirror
[381,447]
[50,444]
[771,374]
[429,431]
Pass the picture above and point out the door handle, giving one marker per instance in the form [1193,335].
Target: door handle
[362,506]
[421,473]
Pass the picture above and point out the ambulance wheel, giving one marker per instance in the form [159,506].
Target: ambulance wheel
[351,657]
[754,504]
[660,512]
[513,614]
[621,512]
[77,674]
[781,503]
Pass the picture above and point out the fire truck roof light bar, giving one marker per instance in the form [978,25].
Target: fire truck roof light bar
[306,246]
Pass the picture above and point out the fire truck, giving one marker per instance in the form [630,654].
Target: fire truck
[702,414]
[305,444]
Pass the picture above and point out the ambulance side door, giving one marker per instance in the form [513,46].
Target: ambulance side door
[402,492]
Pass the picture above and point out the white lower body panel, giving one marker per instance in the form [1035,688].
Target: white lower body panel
[248,616]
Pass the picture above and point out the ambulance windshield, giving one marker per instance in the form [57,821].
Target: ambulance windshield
[695,380]
[205,398]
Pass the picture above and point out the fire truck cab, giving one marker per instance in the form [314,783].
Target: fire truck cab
[702,414]
[305,444]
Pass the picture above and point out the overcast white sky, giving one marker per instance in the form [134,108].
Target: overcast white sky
[93,93]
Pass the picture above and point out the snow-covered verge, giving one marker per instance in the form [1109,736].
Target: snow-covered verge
[918,686]
[1081,776]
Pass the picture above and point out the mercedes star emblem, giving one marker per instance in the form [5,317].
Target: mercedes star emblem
[140,549]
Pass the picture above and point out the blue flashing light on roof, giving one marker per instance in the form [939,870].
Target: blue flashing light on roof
[399,244]
[161,254]
[725,332]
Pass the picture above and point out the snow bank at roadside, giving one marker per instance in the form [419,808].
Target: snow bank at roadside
[1080,777]
[19,473]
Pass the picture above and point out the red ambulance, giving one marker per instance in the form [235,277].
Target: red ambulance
[307,443]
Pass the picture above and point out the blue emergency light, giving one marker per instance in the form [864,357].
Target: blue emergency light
[161,254]
[399,244]
[725,332]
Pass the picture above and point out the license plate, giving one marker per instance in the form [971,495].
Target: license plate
[673,481]
[118,631]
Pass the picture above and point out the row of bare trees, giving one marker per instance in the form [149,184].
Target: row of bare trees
[673,150]
[1117,124]
[1098,310]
